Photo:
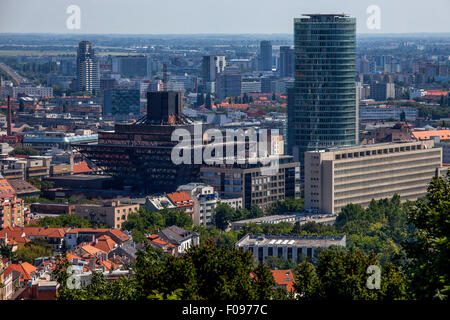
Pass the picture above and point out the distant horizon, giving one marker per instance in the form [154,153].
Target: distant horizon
[205,34]
[215,17]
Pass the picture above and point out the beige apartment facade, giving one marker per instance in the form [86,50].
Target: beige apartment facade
[111,213]
[337,177]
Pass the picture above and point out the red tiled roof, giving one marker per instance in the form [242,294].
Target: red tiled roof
[6,190]
[180,199]
[34,231]
[81,167]
[105,243]
[425,135]
[90,250]
[25,269]
[86,230]
[284,278]
[119,234]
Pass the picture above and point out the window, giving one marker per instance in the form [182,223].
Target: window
[280,252]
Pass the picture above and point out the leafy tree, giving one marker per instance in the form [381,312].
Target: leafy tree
[223,214]
[306,281]
[6,252]
[66,221]
[32,250]
[287,205]
[429,248]
[343,275]
[24,151]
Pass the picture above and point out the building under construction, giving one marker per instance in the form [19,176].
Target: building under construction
[139,155]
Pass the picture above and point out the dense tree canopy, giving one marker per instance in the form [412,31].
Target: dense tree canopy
[145,222]
[429,248]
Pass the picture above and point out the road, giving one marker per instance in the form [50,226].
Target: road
[18,79]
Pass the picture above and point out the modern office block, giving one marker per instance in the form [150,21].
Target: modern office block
[247,181]
[265,55]
[322,109]
[293,248]
[132,66]
[228,84]
[286,61]
[121,101]
[336,177]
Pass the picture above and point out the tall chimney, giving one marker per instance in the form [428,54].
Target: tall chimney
[9,131]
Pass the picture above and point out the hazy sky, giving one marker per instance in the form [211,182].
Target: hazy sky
[215,16]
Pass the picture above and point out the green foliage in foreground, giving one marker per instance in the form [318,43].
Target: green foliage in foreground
[205,272]
[66,221]
[145,222]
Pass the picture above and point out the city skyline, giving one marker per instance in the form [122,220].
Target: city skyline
[101,17]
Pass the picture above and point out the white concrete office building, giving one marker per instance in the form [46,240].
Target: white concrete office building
[286,247]
[337,177]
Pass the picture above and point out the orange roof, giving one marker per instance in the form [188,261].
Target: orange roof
[180,199]
[18,232]
[6,190]
[87,230]
[105,243]
[81,167]
[91,250]
[119,234]
[161,243]
[437,93]
[425,135]
[284,278]
[109,265]
[24,268]
[70,256]
[12,233]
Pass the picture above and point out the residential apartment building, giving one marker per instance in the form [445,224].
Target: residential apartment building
[211,66]
[12,209]
[112,213]
[340,176]
[286,247]
[38,92]
[205,202]
[182,201]
[88,71]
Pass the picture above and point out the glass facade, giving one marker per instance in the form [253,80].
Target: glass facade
[322,109]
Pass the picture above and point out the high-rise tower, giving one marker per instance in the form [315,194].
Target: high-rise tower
[322,108]
[265,55]
[286,61]
[88,73]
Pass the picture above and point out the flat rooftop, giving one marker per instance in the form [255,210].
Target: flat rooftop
[290,241]
[83,177]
